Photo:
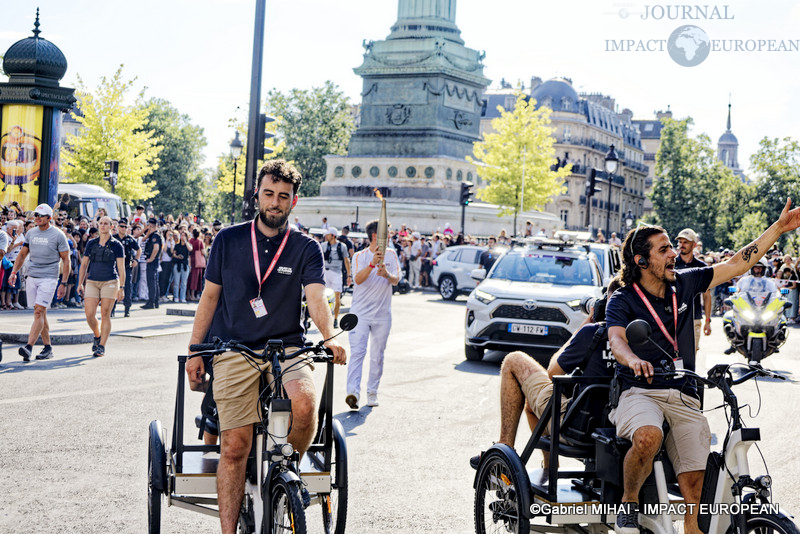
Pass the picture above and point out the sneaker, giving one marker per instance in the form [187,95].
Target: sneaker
[147,306]
[46,354]
[336,323]
[95,343]
[351,399]
[628,519]
[17,306]
[372,399]
[25,352]
[99,351]
[127,312]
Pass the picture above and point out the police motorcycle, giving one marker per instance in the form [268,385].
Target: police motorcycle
[511,498]
[755,325]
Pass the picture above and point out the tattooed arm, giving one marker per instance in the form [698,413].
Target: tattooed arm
[749,255]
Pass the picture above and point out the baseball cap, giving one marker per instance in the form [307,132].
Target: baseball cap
[688,234]
[416,235]
[44,209]
[331,231]
[152,220]
[123,220]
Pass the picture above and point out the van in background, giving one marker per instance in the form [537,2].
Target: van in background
[85,199]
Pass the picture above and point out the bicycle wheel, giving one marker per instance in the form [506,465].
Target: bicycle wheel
[334,504]
[501,493]
[288,515]
[156,477]
[768,523]
[246,523]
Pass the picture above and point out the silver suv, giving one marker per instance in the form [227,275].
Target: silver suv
[532,299]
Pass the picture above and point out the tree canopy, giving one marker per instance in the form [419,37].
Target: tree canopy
[522,137]
[312,124]
[178,179]
[112,130]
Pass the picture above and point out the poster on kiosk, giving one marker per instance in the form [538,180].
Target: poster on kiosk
[21,153]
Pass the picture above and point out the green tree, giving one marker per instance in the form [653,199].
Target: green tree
[735,199]
[751,226]
[521,138]
[112,130]
[177,178]
[776,174]
[312,123]
[686,193]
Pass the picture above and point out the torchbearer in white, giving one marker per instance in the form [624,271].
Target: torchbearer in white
[376,271]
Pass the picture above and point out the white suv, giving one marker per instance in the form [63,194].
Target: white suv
[532,299]
[452,267]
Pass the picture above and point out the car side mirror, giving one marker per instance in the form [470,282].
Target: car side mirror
[478,274]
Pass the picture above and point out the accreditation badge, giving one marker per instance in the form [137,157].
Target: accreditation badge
[258,307]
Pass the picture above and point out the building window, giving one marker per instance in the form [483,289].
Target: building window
[566,103]
[567,133]
[566,188]
[564,216]
[509,103]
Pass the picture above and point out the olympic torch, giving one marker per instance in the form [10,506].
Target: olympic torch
[383,225]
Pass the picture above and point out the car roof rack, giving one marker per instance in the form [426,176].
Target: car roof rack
[543,243]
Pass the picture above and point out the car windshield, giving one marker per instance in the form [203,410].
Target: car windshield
[544,268]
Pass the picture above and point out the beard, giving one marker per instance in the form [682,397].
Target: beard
[273,221]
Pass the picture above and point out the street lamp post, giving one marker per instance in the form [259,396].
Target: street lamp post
[236,151]
[628,221]
[611,164]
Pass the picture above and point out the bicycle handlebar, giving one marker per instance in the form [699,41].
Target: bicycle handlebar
[716,374]
[321,352]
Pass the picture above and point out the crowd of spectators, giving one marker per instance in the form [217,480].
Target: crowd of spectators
[181,261]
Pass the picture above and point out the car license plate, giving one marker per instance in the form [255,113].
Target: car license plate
[532,329]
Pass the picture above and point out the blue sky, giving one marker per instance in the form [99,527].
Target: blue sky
[197,53]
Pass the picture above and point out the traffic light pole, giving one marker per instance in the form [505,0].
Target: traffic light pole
[463,211]
[253,151]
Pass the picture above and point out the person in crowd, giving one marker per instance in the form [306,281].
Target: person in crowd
[528,229]
[152,248]
[344,238]
[425,265]
[614,240]
[197,264]
[414,261]
[140,217]
[101,281]
[180,267]
[165,276]
[9,297]
[325,224]
[216,226]
[687,241]
[274,313]
[654,291]
[437,246]
[46,246]
[375,274]
[490,255]
[448,230]
[337,262]
[132,254]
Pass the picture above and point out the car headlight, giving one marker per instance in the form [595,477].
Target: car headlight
[574,304]
[483,296]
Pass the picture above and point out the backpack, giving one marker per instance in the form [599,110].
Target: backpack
[339,246]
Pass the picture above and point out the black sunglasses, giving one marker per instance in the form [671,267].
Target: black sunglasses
[40,214]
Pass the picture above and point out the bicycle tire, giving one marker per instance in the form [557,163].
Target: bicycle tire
[286,507]
[156,477]
[769,523]
[334,505]
[502,479]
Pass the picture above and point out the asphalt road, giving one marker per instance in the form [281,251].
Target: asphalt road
[73,457]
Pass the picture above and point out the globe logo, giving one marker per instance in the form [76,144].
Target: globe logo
[688,46]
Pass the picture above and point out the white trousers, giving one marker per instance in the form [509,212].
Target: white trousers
[379,332]
[413,272]
[142,280]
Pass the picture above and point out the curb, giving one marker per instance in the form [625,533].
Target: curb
[180,312]
[55,339]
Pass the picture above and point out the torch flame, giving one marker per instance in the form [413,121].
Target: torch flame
[378,193]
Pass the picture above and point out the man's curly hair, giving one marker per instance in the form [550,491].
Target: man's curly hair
[637,243]
[281,171]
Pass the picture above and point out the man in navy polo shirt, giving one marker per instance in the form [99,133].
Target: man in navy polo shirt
[655,292]
[254,298]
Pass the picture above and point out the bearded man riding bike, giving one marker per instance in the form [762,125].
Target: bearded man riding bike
[255,276]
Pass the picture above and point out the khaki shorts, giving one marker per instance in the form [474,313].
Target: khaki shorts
[236,386]
[101,290]
[538,389]
[689,440]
